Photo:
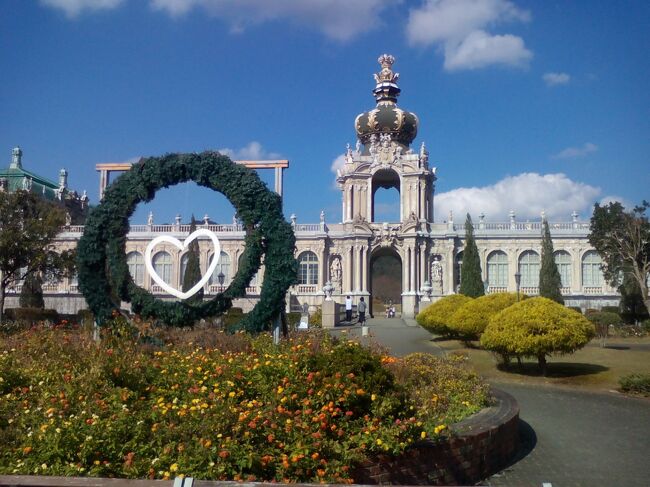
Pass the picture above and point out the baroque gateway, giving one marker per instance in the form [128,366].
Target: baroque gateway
[410,262]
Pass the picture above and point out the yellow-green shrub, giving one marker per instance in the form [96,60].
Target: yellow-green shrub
[470,320]
[435,317]
[537,327]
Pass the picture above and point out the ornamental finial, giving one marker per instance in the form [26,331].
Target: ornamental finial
[386,91]
[386,74]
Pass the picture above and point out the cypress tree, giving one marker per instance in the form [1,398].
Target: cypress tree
[471,282]
[193,268]
[31,295]
[550,281]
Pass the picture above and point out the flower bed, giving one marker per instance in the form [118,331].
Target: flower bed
[235,407]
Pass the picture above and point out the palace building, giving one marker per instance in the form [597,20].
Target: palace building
[410,262]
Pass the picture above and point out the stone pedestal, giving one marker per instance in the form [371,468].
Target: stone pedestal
[330,314]
[409,303]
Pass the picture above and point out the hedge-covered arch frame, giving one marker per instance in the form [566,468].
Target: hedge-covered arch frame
[104,277]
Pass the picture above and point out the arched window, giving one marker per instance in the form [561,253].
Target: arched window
[458,263]
[162,264]
[223,267]
[184,259]
[563,263]
[529,268]
[592,275]
[307,268]
[497,269]
[135,261]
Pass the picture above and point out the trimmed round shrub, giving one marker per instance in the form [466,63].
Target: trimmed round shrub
[470,320]
[537,327]
[435,317]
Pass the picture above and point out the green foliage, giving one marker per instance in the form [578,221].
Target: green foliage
[636,384]
[31,294]
[267,233]
[436,316]
[603,318]
[471,282]
[622,238]
[316,318]
[193,268]
[32,315]
[632,308]
[550,282]
[469,321]
[28,227]
[536,327]
[308,410]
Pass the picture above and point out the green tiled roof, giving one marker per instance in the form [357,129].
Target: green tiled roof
[15,177]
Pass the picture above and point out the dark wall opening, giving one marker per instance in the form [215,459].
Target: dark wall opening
[385,280]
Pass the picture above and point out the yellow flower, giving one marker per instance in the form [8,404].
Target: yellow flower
[373,397]
[423,435]
[173,467]
[379,442]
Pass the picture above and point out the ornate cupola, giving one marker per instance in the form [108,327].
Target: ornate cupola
[386,117]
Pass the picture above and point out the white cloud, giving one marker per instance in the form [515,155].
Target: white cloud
[554,79]
[605,200]
[459,28]
[337,19]
[252,152]
[73,8]
[528,194]
[338,163]
[480,49]
[574,152]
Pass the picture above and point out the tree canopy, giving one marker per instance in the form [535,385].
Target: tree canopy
[537,327]
[550,282]
[192,268]
[28,227]
[622,238]
[436,316]
[471,281]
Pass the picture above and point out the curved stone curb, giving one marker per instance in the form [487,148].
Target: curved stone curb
[478,447]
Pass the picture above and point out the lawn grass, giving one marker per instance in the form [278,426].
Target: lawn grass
[593,367]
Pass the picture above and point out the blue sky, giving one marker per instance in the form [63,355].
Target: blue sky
[523,105]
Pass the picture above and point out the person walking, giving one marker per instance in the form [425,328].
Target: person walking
[362,311]
[348,309]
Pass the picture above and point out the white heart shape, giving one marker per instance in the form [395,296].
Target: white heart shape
[177,243]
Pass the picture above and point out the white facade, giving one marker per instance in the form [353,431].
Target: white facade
[342,253]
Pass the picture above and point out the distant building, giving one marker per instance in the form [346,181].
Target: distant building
[346,257]
[15,178]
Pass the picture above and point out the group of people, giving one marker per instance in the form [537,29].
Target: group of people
[390,310]
[361,308]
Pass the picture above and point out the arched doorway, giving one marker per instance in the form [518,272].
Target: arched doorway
[386,196]
[385,280]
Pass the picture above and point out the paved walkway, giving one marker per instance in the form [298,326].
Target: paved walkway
[569,438]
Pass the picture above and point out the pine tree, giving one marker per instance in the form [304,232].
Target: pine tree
[31,294]
[471,282]
[550,281]
[193,268]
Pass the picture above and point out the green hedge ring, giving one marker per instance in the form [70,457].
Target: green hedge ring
[104,277]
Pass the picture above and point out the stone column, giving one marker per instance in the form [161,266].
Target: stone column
[324,274]
[414,268]
[350,267]
[405,270]
[423,265]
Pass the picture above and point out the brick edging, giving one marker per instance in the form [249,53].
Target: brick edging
[478,446]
